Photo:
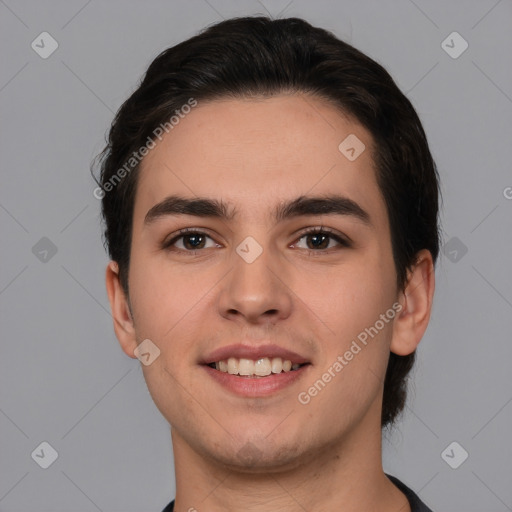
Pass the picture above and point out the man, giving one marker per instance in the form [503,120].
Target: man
[271,210]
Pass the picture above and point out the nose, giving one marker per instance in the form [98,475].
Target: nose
[257,292]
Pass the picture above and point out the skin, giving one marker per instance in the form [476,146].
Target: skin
[254,154]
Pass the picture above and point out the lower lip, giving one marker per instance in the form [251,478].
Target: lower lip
[256,386]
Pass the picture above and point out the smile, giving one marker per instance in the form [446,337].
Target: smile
[253,385]
[262,367]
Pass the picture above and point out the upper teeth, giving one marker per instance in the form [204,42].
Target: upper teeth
[261,367]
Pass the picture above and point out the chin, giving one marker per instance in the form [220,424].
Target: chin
[253,455]
[254,459]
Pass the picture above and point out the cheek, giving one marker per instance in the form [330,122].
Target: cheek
[347,303]
[163,293]
[347,298]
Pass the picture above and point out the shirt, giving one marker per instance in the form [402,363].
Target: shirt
[414,501]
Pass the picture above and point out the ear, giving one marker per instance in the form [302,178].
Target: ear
[123,322]
[416,300]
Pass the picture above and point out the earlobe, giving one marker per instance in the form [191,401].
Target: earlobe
[123,321]
[411,322]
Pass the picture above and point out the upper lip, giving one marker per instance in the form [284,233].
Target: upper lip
[254,352]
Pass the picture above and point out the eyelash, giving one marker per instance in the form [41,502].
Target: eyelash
[343,242]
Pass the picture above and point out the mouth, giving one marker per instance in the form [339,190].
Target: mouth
[255,371]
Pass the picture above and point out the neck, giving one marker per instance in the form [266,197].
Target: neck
[346,475]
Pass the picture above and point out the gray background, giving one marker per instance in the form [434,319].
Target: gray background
[63,377]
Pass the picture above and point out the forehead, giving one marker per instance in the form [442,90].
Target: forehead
[256,152]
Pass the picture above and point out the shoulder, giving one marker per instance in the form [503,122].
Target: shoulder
[170,507]
[414,501]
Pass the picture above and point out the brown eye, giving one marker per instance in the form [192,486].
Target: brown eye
[189,241]
[194,241]
[321,240]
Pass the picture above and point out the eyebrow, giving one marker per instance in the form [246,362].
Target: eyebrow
[301,206]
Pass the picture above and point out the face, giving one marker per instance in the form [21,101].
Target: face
[262,276]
